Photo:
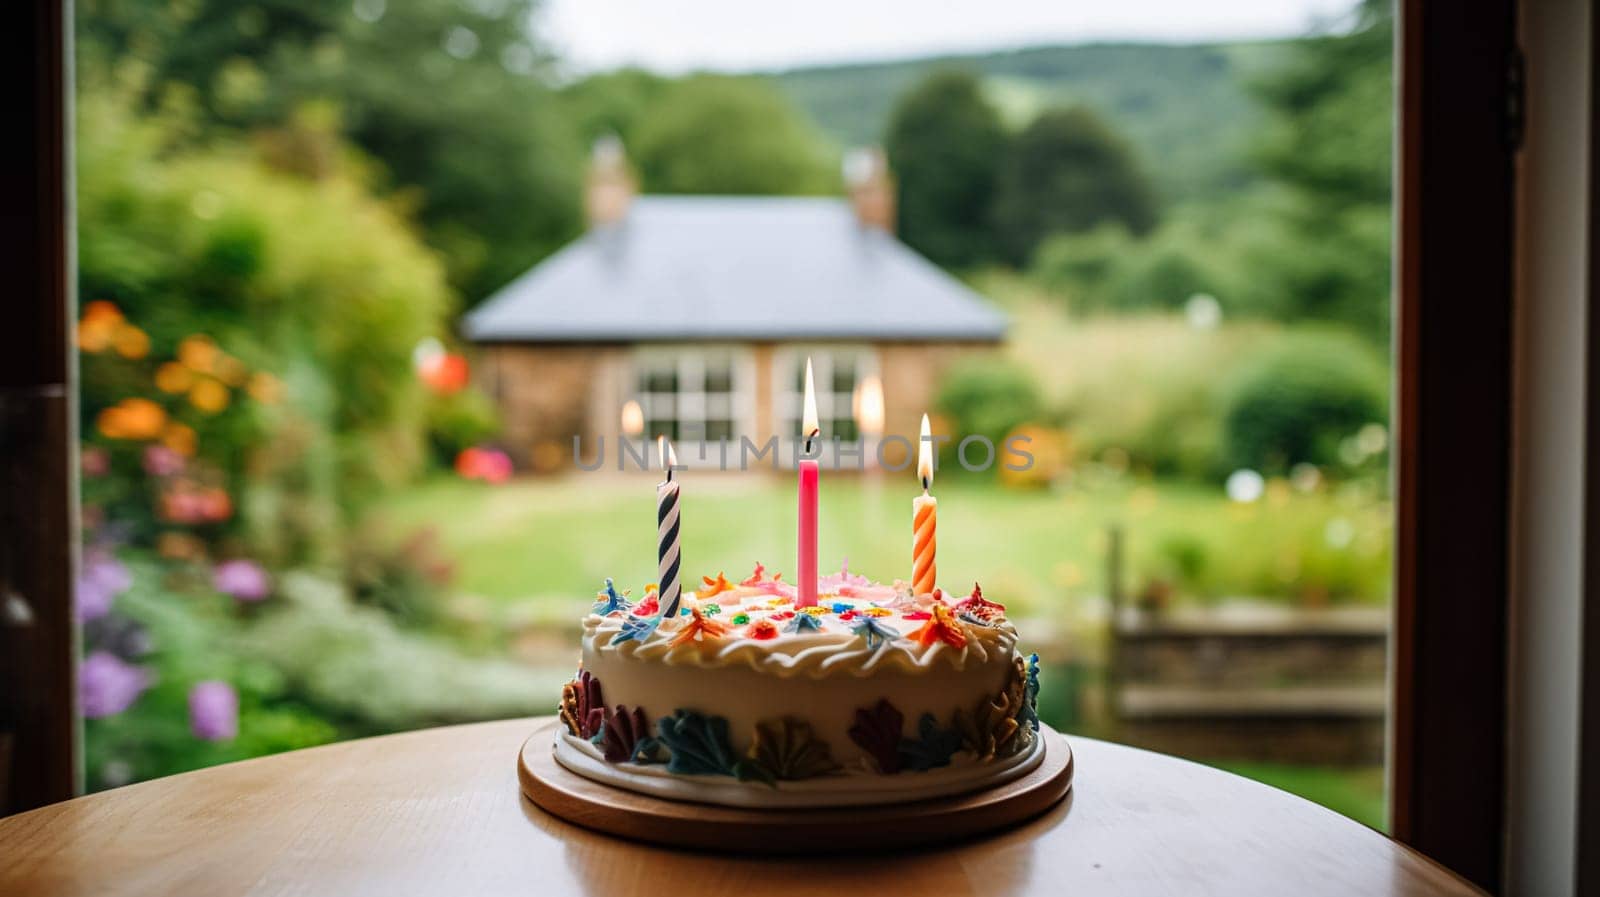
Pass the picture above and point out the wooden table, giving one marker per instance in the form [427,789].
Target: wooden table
[439,812]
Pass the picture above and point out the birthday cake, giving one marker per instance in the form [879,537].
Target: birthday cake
[747,694]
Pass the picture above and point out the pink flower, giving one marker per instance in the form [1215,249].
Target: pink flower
[242,579]
[160,461]
[95,461]
[213,711]
[487,464]
[107,686]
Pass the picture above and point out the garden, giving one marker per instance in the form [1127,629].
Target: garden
[299,525]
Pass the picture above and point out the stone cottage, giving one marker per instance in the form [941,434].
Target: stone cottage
[693,316]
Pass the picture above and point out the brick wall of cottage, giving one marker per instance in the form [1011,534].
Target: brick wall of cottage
[547,393]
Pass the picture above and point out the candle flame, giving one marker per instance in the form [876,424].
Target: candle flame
[669,458]
[869,406]
[925,455]
[632,418]
[808,426]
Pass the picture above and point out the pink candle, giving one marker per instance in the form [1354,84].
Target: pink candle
[806,564]
[806,582]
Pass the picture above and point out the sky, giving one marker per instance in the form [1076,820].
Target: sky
[680,35]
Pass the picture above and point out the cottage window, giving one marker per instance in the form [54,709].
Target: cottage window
[693,394]
[838,372]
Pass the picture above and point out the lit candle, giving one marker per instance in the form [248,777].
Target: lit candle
[925,518]
[806,580]
[669,587]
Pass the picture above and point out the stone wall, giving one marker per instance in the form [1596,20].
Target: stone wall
[548,393]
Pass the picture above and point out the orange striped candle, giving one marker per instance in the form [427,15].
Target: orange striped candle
[925,519]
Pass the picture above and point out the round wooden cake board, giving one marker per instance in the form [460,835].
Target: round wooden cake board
[641,817]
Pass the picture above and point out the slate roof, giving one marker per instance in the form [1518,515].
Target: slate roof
[734,268]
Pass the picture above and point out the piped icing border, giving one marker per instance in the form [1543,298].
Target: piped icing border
[847,790]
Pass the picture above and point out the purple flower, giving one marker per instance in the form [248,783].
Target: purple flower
[214,711]
[244,580]
[107,686]
[102,579]
[160,461]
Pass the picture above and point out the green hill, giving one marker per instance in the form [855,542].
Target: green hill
[1187,107]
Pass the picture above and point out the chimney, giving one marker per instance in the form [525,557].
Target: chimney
[609,186]
[871,188]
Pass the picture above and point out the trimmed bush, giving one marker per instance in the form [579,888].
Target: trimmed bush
[1295,402]
[988,397]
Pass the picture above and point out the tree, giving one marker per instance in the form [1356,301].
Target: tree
[944,138]
[1328,146]
[731,135]
[614,103]
[449,98]
[1069,172]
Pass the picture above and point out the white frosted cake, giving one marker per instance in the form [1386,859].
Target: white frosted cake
[742,698]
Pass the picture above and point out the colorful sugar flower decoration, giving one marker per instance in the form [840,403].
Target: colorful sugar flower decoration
[803,623]
[715,586]
[838,583]
[107,685]
[651,605]
[942,626]
[243,580]
[978,607]
[762,630]
[699,628]
[213,711]
[755,578]
[874,633]
[609,601]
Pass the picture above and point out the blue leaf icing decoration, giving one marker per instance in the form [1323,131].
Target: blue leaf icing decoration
[610,601]
[636,628]
[874,633]
[697,744]
[933,747]
[1030,705]
[803,622]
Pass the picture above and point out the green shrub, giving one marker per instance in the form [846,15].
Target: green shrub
[1298,399]
[459,420]
[988,397]
[313,282]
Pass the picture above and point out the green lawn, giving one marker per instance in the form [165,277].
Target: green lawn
[1355,792]
[554,540]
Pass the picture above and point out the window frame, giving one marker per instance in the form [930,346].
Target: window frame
[688,361]
[788,366]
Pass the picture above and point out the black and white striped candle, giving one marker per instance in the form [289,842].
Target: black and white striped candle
[667,572]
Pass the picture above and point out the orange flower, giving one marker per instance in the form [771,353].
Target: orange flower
[180,438]
[265,388]
[208,395]
[230,370]
[198,352]
[112,423]
[101,310]
[98,326]
[131,342]
[174,378]
[132,419]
